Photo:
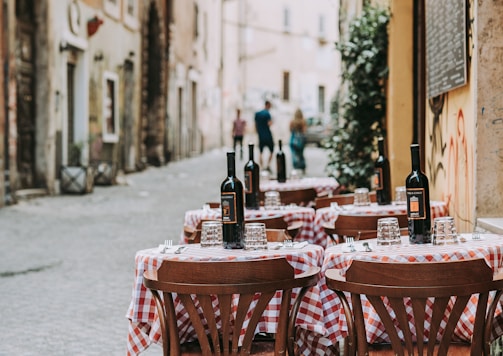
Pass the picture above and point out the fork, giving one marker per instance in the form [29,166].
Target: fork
[350,242]
[167,245]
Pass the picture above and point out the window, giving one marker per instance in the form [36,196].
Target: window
[196,27]
[286,86]
[112,8]
[130,11]
[321,26]
[286,19]
[110,107]
[321,99]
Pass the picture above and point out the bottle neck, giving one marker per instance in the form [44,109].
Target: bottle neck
[416,163]
[280,144]
[380,145]
[250,152]
[231,164]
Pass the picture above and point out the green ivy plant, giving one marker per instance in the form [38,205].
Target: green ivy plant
[363,103]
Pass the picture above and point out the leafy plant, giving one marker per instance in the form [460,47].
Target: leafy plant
[75,154]
[363,104]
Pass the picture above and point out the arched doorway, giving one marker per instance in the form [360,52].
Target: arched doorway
[152,126]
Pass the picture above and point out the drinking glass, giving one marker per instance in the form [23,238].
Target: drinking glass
[400,195]
[255,236]
[388,232]
[444,231]
[294,175]
[272,200]
[362,197]
[211,234]
[264,176]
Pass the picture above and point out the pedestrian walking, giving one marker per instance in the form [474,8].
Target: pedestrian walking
[263,121]
[238,131]
[298,127]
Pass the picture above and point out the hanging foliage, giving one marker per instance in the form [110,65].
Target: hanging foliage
[363,103]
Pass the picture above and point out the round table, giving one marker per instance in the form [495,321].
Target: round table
[489,247]
[144,325]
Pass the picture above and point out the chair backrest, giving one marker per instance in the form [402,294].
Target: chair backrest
[364,225]
[416,282]
[198,283]
[301,197]
[341,199]
[279,222]
[271,222]
[276,235]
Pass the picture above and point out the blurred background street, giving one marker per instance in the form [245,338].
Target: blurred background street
[67,261]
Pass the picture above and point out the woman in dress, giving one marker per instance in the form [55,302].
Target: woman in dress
[298,140]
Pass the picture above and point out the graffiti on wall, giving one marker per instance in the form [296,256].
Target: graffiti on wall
[452,158]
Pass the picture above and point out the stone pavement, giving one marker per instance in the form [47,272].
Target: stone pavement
[67,262]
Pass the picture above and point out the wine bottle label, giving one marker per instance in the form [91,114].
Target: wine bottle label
[228,207]
[248,182]
[416,203]
[378,179]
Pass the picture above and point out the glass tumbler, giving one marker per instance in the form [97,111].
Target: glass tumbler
[255,236]
[211,234]
[272,200]
[388,232]
[362,197]
[444,231]
[400,195]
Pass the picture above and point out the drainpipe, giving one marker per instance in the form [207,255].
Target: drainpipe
[419,81]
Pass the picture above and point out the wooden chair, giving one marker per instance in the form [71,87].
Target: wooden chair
[205,281]
[213,204]
[361,226]
[417,281]
[341,199]
[276,235]
[278,222]
[301,197]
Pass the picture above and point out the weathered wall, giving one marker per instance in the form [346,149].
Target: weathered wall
[489,113]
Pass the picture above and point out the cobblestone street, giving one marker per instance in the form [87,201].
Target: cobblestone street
[67,262]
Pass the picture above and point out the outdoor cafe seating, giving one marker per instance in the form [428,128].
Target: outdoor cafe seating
[203,284]
[403,294]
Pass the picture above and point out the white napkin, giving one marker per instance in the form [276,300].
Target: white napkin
[300,244]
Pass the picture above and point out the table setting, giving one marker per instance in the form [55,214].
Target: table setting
[463,246]
[144,325]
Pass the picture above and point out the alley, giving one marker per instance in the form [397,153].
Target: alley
[67,262]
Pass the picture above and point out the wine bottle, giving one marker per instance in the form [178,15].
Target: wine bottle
[281,164]
[382,179]
[232,205]
[252,181]
[418,201]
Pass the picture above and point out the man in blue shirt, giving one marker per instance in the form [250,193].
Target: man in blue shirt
[263,122]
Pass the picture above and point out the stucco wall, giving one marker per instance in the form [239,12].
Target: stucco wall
[489,99]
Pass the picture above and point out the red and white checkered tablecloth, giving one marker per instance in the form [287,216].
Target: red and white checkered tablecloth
[290,214]
[322,185]
[144,325]
[328,215]
[490,247]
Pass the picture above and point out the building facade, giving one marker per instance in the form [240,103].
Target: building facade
[132,84]
[282,51]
